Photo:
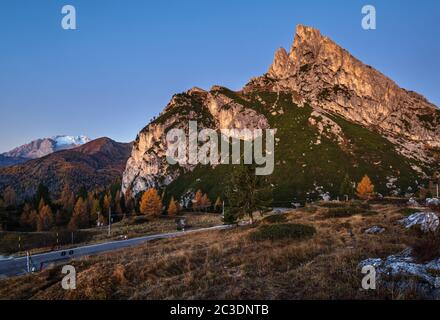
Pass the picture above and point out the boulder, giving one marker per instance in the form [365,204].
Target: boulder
[403,272]
[432,202]
[428,221]
[375,230]
[413,202]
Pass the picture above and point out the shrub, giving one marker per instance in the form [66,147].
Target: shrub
[343,212]
[277,218]
[283,231]
[333,204]
[426,247]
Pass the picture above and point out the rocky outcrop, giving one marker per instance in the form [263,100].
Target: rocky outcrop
[316,72]
[403,273]
[427,221]
[375,230]
[327,76]
[215,109]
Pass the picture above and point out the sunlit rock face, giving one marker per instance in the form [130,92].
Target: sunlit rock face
[327,76]
[315,71]
[147,167]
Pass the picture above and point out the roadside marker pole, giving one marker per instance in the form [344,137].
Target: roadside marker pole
[19,243]
[109,221]
[28,266]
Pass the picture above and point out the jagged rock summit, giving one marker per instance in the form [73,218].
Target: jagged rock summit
[335,115]
[322,73]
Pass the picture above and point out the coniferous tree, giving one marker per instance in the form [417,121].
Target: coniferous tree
[197,201]
[9,197]
[173,207]
[346,188]
[247,193]
[45,219]
[151,204]
[365,188]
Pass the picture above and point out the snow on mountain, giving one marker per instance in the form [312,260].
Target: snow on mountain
[61,141]
[43,147]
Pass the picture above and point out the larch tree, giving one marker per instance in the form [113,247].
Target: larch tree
[151,204]
[80,215]
[365,188]
[197,201]
[173,207]
[45,219]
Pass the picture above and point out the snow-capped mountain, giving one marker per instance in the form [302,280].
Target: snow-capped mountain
[42,147]
[62,141]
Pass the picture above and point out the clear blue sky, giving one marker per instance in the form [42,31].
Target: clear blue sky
[128,57]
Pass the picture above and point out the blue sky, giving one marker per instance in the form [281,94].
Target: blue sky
[128,57]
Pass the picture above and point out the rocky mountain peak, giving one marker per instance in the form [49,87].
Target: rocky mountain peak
[327,76]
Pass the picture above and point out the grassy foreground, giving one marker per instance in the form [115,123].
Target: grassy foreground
[237,263]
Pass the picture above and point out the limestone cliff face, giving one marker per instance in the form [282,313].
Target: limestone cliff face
[147,166]
[327,76]
[315,71]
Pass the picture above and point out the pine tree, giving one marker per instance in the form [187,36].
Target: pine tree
[42,193]
[9,197]
[247,193]
[365,188]
[173,208]
[346,188]
[151,204]
[67,199]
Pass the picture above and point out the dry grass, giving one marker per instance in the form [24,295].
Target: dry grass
[229,265]
[38,242]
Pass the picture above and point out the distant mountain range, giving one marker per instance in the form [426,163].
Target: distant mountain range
[94,164]
[40,148]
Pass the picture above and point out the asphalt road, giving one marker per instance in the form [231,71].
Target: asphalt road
[18,266]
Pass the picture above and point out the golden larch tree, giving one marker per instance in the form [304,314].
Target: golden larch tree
[45,219]
[173,208]
[365,188]
[151,204]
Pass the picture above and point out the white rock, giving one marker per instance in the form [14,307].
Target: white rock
[428,221]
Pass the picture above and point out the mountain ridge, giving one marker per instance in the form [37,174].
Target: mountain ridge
[94,164]
[41,147]
[326,93]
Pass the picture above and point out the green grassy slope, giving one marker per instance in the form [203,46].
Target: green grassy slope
[300,164]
